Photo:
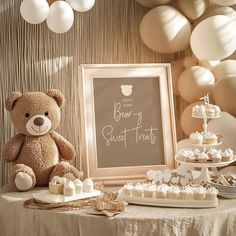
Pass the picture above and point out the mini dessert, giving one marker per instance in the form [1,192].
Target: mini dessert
[210,112]
[196,138]
[202,157]
[196,152]
[227,154]
[216,157]
[56,185]
[78,186]
[183,154]
[161,191]
[88,185]
[191,157]
[173,192]
[210,153]
[186,193]
[199,193]
[137,190]
[217,111]
[69,188]
[209,138]
[199,111]
[211,193]
[149,191]
[127,189]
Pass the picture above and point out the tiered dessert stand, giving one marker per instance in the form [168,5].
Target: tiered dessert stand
[204,175]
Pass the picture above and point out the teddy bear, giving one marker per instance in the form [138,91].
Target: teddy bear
[37,149]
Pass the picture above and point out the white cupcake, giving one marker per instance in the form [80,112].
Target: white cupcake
[199,193]
[217,111]
[78,186]
[211,193]
[202,157]
[69,188]
[149,191]
[173,192]
[183,154]
[161,191]
[56,185]
[127,189]
[88,185]
[226,155]
[210,153]
[210,112]
[137,190]
[196,138]
[186,193]
[216,157]
[191,157]
[196,111]
[209,138]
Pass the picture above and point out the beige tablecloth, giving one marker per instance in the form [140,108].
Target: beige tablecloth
[136,220]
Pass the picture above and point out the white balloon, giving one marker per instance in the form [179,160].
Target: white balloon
[165,30]
[208,64]
[152,3]
[34,11]
[193,9]
[224,2]
[61,17]
[214,38]
[225,69]
[81,5]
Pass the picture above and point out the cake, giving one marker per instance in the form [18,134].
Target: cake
[149,191]
[199,193]
[202,157]
[161,191]
[69,188]
[211,193]
[137,190]
[127,189]
[216,157]
[78,186]
[209,138]
[173,192]
[186,193]
[196,138]
[56,185]
[88,185]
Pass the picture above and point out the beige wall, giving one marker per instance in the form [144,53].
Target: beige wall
[33,58]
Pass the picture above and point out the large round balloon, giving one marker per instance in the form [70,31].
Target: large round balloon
[177,68]
[153,3]
[214,38]
[165,30]
[193,9]
[34,11]
[195,82]
[61,17]
[225,69]
[225,126]
[224,2]
[224,93]
[81,5]
[188,123]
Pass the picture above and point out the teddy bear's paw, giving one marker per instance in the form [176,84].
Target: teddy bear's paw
[69,175]
[23,181]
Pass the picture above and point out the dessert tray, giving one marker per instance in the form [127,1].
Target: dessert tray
[47,197]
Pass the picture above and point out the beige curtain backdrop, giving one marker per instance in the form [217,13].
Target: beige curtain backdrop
[35,59]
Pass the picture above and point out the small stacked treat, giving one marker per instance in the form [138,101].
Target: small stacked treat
[208,110]
[204,138]
[66,187]
[164,191]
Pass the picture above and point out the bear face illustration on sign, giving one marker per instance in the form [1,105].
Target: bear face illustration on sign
[126,90]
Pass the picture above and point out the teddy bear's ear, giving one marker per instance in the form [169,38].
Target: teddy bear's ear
[11,100]
[57,95]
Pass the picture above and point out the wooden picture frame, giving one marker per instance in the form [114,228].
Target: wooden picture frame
[127,120]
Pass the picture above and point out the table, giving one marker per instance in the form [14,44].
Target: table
[136,220]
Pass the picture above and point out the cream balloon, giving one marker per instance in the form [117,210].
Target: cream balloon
[190,61]
[153,3]
[34,11]
[81,5]
[208,64]
[61,17]
[214,38]
[165,30]
[177,68]
[193,9]
[224,93]
[224,2]
[225,69]
[188,123]
[226,126]
[195,82]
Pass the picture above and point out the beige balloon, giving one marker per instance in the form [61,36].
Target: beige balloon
[177,68]
[224,93]
[208,64]
[195,82]
[152,3]
[225,126]
[225,69]
[224,2]
[188,123]
[165,30]
[190,61]
[193,9]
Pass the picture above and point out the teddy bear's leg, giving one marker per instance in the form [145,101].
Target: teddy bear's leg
[22,177]
[65,169]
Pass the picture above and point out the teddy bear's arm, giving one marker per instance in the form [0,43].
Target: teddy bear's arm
[12,148]
[66,149]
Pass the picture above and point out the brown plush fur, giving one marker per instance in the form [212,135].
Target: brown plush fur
[38,155]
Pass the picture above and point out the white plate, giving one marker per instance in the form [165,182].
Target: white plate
[47,197]
[178,203]
[206,117]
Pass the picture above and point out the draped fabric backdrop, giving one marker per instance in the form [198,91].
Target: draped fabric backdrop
[35,59]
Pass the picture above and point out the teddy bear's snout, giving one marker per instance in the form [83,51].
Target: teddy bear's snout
[38,121]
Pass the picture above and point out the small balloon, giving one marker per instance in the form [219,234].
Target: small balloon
[195,82]
[34,11]
[81,5]
[61,17]
[165,30]
[225,69]
[153,3]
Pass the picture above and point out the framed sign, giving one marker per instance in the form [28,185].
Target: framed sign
[127,120]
